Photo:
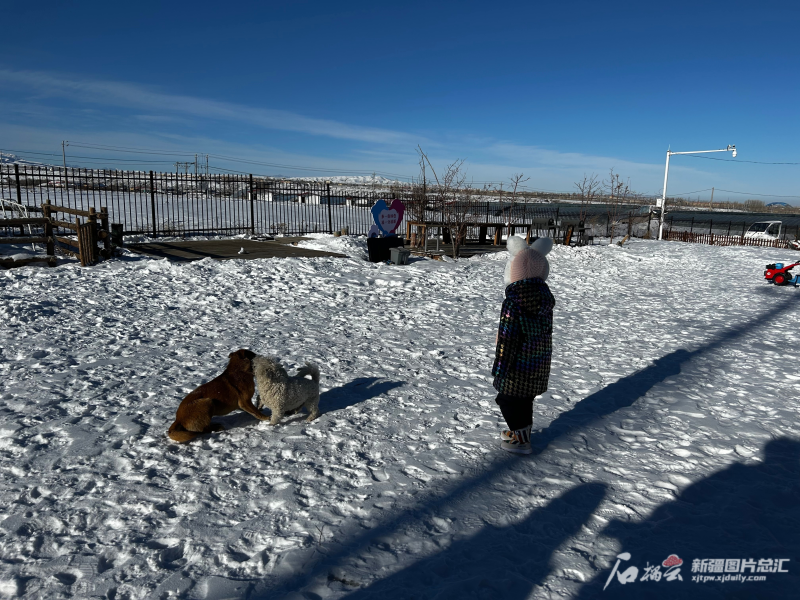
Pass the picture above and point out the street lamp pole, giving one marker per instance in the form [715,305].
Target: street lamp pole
[662,202]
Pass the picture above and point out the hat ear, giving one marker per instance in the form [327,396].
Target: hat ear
[515,244]
[542,246]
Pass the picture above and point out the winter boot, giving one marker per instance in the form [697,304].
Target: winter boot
[519,441]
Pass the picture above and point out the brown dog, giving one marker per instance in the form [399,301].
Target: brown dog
[231,390]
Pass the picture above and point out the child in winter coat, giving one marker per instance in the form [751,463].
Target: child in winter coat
[524,340]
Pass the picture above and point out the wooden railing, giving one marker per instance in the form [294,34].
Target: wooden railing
[47,238]
[723,240]
[86,234]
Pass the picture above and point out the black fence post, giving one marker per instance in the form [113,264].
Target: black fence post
[710,226]
[729,227]
[16,176]
[252,208]
[330,220]
[153,202]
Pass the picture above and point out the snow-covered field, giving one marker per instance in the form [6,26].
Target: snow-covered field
[670,428]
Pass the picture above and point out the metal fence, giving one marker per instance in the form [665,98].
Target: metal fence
[731,225]
[187,204]
[184,204]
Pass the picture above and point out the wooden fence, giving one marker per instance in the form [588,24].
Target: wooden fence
[32,238]
[84,244]
[722,240]
[87,234]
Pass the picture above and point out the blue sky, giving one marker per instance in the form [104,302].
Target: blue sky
[551,90]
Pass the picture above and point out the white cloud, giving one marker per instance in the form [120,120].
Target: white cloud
[138,97]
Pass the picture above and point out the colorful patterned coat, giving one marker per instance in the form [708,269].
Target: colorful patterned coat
[524,339]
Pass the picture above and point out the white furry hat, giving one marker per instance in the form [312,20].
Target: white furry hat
[527,261]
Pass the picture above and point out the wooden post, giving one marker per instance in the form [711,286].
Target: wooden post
[252,208]
[105,227]
[153,202]
[330,219]
[92,242]
[48,229]
[16,176]
[81,243]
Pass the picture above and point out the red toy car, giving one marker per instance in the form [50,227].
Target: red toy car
[780,275]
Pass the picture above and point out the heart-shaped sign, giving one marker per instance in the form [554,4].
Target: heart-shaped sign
[388,216]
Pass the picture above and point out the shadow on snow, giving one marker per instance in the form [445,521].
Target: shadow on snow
[742,512]
[624,393]
[498,562]
[338,398]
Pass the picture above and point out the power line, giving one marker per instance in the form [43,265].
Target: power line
[129,150]
[694,192]
[755,194]
[755,162]
[91,158]
[229,158]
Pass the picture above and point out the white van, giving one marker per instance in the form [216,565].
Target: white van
[765,230]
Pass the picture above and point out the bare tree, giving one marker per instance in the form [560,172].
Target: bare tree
[453,199]
[416,202]
[589,188]
[517,179]
[618,192]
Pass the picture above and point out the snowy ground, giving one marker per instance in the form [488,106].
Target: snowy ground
[670,428]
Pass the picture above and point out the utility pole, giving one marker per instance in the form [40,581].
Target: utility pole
[661,203]
[195,164]
[64,153]
[711,204]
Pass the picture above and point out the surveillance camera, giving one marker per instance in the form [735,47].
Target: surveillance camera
[734,153]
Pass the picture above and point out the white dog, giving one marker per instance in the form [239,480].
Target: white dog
[283,394]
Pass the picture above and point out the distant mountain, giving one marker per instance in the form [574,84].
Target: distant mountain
[6,158]
[377,180]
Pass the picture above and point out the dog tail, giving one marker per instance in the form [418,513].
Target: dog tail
[309,369]
[178,433]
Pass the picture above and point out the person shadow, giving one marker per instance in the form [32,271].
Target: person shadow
[612,398]
[498,562]
[626,391]
[742,512]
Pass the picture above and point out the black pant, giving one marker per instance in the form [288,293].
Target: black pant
[518,412]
